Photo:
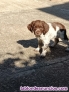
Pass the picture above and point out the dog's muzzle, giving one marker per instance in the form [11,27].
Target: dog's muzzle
[38,32]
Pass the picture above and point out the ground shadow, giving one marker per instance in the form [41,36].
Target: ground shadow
[53,53]
[46,75]
[27,43]
[61,10]
[43,73]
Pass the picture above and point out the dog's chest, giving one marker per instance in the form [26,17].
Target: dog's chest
[48,36]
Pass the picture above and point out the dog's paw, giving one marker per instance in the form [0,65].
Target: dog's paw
[37,49]
[42,55]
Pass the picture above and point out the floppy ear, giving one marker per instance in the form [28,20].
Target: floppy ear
[30,26]
[46,27]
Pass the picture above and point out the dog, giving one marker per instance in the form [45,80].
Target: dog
[45,32]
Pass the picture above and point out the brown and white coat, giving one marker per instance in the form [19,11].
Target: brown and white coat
[45,32]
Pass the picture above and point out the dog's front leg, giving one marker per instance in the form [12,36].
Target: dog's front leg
[37,49]
[66,42]
[43,50]
[40,44]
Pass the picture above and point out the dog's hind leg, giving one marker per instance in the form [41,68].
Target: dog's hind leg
[56,40]
[67,42]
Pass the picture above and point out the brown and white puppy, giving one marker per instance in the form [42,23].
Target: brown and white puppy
[44,32]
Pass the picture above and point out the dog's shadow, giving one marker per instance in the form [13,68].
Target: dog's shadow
[57,51]
[27,43]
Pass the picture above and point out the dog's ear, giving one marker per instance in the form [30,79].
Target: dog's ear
[30,26]
[46,27]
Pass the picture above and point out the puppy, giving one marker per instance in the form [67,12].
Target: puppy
[45,32]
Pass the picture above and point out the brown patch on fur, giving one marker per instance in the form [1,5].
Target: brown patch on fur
[61,26]
[56,41]
[46,27]
[40,42]
[30,26]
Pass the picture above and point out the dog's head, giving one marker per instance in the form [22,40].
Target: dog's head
[38,27]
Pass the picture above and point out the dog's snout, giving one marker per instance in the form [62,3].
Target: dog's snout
[37,31]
